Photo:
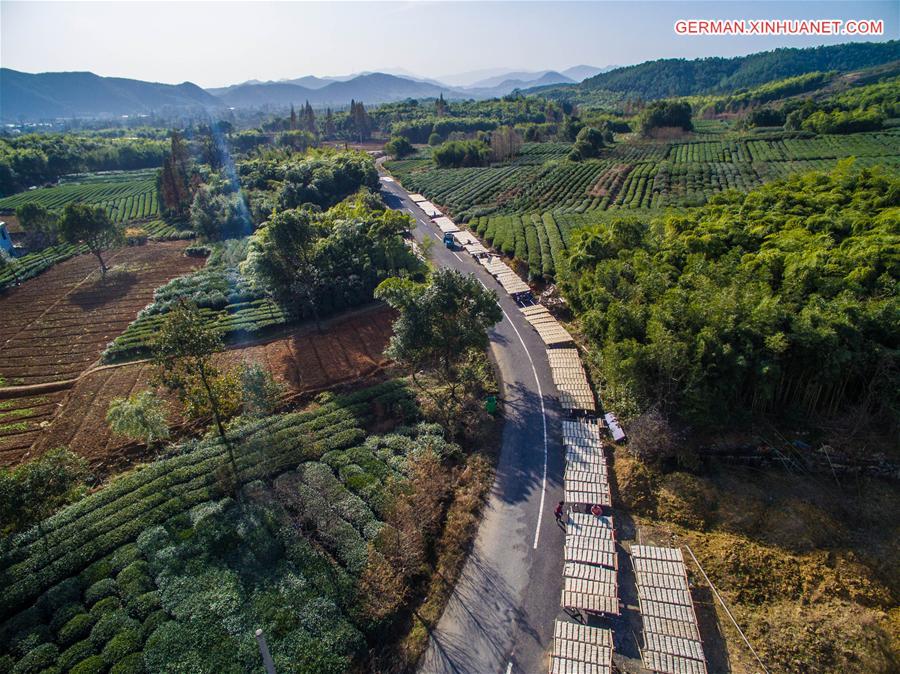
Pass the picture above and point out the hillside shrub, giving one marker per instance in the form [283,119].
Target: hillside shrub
[100,590]
[666,114]
[33,490]
[122,644]
[37,660]
[75,629]
[64,614]
[75,653]
[130,664]
[92,665]
[111,624]
[458,153]
[141,606]
[398,147]
[104,606]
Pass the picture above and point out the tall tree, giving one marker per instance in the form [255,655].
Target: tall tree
[89,224]
[440,323]
[309,119]
[174,182]
[293,118]
[330,126]
[40,225]
[284,257]
[360,121]
[440,106]
[183,351]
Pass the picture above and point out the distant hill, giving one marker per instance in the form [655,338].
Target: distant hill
[82,94]
[522,76]
[579,73]
[508,85]
[370,88]
[679,77]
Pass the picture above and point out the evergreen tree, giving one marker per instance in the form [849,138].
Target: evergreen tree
[330,127]
[293,118]
[173,182]
[309,119]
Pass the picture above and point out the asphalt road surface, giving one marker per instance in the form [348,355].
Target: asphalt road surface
[499,619]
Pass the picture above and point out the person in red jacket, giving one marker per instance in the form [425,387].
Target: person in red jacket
[559,511]
[596,510]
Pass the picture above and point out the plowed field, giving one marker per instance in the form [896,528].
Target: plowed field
[54,326]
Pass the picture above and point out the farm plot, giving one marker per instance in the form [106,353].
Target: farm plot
[89,568]
[65,317]
[349,349]
[30,265]
[538,153]
[126,195]
[541,239]
[22,421]
[460,189]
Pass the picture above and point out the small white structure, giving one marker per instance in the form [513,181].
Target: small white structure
[615,430]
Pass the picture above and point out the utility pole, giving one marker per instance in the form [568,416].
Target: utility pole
[264,652]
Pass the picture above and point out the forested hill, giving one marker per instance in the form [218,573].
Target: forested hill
[679,77]
[82,94]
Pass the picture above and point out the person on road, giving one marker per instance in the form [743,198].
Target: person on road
[559,511]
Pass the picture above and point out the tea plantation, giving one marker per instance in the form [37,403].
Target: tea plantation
[167,570]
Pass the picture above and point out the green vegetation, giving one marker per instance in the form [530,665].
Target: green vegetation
[140,416]
[442,331]
[398,147]
[755,302]
[663,114]
[127,577]
[588,144]
[35,159]
[680,77]
[32,491]
[459,153]
[248,285]
[83,224]
[637,174]
[125,196]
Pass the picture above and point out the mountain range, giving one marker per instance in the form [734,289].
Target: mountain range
[83,94]
[32,97]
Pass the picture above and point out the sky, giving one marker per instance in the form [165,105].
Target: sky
[221,43]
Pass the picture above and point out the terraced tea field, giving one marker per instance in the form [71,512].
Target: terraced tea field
[126,195]
[527,210]
[637,174]
[89,566]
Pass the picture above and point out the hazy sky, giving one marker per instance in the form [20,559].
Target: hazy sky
[217,43]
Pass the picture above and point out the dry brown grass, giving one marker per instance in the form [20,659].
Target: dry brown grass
[807,566]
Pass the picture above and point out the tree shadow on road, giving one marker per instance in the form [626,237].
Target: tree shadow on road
[481,619]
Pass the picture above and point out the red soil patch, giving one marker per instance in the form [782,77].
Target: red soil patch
[305,360]
[56,325]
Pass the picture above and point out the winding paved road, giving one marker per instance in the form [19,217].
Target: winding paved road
[499,619]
